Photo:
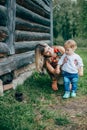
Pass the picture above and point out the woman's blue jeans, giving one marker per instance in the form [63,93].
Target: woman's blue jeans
[70,78]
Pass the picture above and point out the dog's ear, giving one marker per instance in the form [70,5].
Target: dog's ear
[39,60]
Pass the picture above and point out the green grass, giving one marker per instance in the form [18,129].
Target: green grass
[62,121]
[83,80]
[40,108]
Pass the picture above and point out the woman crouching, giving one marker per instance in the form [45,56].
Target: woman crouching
[47,57]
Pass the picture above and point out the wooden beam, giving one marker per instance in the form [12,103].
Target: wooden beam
[42,4]
[11,13]
[3,33]
[3,15]
[28,26]
[4,49]
[16,61]
[7,86]
[31,36]
[51,21]
[30,5]
[47,2]
[31,16]
[21,47]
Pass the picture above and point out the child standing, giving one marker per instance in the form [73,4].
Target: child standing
[72,66]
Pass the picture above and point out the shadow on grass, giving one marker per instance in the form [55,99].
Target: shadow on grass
[41,83]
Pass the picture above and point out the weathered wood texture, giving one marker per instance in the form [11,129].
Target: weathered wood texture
[47,2]
[31,16]
[23,24]
[28,45]
[42,4]
[3,15]
[11,11]
[51,25]
[30,36]
[36,8]
[4,49]
[33,21]
[3,33]
[28,26]
[16,61]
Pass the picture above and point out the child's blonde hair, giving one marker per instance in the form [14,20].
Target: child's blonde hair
[70,44]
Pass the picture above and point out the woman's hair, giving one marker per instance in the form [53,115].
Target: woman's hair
[70,44]
[39,57]
[41,48]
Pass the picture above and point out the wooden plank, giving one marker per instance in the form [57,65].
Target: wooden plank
[28,26]
[51,21]
[31,16]
[3,15]
[7,86]
[16,61]
[42,4]
[4,49]
[31,36]
[30,5]
[47,2]
[3,33]
[21,47]
[1,87]
[11,11]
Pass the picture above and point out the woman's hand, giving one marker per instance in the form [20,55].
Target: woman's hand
[50,68]
[57,70]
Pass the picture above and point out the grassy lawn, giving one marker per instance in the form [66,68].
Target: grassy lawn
[44,109]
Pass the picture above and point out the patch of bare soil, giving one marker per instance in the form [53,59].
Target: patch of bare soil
[76,111]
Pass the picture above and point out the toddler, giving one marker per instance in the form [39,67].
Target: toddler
[72,66]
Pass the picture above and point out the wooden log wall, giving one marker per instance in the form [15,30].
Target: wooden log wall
[33,23]
[23,25]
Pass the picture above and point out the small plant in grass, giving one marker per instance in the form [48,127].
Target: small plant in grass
[62,120]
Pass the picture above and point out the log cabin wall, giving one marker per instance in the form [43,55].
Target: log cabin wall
[32,24]
[23,24]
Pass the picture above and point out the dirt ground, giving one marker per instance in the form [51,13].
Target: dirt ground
[76,110]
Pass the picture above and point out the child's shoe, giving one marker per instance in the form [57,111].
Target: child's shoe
[73,94]
[66,95]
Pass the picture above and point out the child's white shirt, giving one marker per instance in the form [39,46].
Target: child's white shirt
[70,63]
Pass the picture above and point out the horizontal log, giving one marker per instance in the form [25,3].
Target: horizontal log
[3,15]
[31,36]
[31,16]
[29,4]
[14,62]
[2,2]
[21,47]
[3,33]
[28,26]
[42,4]
[47,2]
[4,48]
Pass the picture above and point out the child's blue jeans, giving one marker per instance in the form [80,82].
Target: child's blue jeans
[70,78]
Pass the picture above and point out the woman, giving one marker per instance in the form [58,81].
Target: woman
[47,57]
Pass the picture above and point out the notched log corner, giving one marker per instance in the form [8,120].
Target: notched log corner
[4,50]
